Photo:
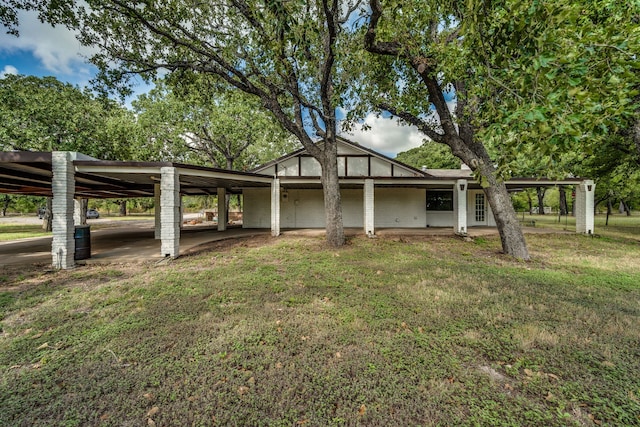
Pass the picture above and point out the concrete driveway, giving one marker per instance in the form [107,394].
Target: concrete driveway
[119,241]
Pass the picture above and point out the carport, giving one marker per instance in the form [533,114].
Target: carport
[68,177]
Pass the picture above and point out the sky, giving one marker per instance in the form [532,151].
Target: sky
[42,50]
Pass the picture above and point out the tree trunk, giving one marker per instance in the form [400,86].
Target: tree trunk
[123,207]
[541,191]
[511,236]
[530,200]
[47,222]
[626,208]
[332,200]
[6,200]
[564,208]
[609,209]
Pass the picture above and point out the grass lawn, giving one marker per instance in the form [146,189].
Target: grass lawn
[21,231]
[287,332]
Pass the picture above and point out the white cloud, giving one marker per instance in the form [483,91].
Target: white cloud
[8,69]
[387,135]
[55,47]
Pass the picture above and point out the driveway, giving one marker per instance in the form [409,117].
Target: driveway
[114,241]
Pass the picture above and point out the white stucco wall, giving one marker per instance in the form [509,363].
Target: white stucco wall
[394,207]
[439,219]
[256,208]
[400,207]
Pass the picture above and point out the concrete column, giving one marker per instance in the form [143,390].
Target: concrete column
[369,207]
[170,212]
[460,206]
[157,211]
[63,187]
[222,209]
[584,207]
[275,207]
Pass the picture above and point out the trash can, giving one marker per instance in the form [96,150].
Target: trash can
[82,237]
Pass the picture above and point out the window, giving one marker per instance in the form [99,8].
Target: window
[480,207]
[440,200]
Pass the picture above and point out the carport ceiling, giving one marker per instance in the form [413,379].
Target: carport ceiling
[29,173]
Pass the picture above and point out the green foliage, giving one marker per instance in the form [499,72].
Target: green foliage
[431,155]
[193,119]
[554,77]
[44,114]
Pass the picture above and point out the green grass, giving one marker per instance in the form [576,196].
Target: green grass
[620,225]
[285,332]
[21,231]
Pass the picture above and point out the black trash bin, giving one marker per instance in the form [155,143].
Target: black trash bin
[82,238]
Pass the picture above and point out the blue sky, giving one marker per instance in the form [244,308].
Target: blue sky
[42,50]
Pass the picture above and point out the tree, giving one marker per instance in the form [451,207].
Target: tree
[284,53]
[44,114]
[217,126]
[558,76]
[430,155]
[418,45]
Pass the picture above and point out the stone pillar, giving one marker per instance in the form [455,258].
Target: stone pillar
[275,207]
[157,211]
[369,207]
[460,206]
[170,212]
[584,207]
[222,209]
[63,188]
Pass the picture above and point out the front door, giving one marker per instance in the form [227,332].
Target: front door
[480,209]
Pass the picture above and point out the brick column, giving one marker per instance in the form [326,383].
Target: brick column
[157,209]
[584,207]
[275,207]
[369,207]
[63,187]
[170,212]
[222,209]
[460,206]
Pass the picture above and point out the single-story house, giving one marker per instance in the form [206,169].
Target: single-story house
[380,192]
[377,192]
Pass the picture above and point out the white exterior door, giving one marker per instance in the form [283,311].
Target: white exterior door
[477,213]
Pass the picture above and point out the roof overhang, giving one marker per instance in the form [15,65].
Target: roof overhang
[30,173]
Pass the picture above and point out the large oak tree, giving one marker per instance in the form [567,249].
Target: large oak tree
[283,53]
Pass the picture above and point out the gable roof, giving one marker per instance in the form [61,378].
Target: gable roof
[352,145]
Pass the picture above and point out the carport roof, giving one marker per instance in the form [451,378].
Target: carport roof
[26,172]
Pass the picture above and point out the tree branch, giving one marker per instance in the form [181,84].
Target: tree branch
[415,121]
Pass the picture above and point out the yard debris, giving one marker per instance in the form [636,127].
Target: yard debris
[153,411]
[362,410]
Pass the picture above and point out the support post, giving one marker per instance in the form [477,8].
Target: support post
[222,209]
[63,188]
[157,212]
[584,205]
[369,207]
[275,207]
[460,206]
[170,212]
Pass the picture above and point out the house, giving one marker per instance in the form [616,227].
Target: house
[377,192]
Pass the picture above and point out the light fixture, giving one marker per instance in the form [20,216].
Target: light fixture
[589,186]
[462,187]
